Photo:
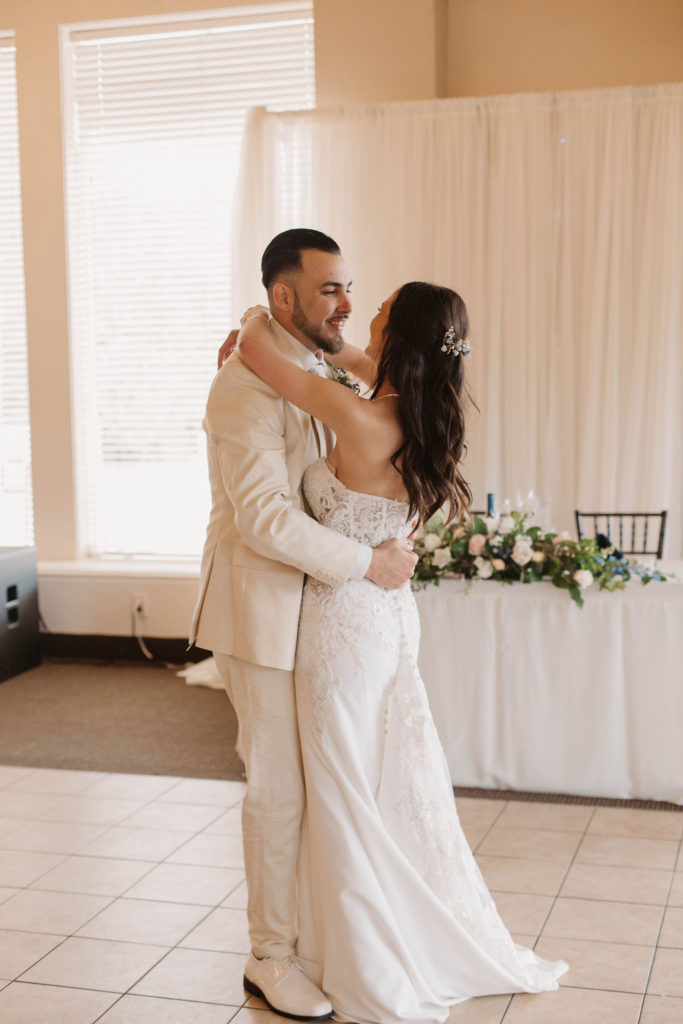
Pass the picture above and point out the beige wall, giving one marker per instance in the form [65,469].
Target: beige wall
[366,51]
[370,52]
[506,46]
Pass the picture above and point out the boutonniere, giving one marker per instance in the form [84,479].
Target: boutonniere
[342,376]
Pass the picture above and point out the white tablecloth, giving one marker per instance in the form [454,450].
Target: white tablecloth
[530,692]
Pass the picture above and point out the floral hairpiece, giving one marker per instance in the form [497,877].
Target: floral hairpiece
[453,346]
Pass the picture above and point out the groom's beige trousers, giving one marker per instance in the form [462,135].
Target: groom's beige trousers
[264,702]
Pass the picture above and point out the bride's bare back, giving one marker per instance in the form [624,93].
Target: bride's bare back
[361,459]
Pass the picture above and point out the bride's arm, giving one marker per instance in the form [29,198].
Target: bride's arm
[355,361]
[325,399]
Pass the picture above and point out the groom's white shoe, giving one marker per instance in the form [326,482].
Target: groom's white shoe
[285,988]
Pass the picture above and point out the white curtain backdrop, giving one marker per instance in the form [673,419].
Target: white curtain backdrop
[558,218]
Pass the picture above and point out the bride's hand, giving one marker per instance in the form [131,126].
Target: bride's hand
[253,312]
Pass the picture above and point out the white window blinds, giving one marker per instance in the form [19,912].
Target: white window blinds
[16,506]
[154,113]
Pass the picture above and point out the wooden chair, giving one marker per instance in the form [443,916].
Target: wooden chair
[628,531]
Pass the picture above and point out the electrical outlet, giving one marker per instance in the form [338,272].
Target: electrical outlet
[141,604]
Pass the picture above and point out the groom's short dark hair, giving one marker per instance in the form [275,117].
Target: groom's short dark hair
[284,251]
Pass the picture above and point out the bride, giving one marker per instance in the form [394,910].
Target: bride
[395,920]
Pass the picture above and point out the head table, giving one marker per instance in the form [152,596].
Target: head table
[530,692]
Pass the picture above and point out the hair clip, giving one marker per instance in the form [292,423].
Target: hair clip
[453,346]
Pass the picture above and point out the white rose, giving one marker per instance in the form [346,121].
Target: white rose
[584,577]
[441,557]
[432,542]
[506,524]
[498,564]
[491,523]
[476,544]
[521,552]
[495,540]
[484,568]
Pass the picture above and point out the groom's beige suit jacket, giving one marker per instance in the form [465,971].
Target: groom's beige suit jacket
[260,541]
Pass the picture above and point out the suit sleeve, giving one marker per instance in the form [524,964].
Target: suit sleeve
[245,419]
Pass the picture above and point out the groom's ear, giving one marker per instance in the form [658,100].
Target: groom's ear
[282,296]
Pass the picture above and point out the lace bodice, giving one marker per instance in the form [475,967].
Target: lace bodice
[368,518]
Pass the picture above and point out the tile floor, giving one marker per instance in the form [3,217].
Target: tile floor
[122,901]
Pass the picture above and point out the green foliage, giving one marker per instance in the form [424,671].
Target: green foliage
[342,376]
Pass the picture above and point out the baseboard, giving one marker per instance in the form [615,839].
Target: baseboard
[118,648]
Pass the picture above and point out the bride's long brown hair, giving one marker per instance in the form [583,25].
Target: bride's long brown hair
[432,396]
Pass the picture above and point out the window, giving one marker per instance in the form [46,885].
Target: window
[154,112]
[16,505]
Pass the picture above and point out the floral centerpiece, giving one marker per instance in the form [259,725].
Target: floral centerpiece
[507,549]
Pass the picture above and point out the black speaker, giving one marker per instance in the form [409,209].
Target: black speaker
[19,631]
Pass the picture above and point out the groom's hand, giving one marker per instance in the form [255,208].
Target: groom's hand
[392,564]
[227,348]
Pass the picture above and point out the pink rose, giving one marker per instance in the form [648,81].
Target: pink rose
[476,543]
[441,557]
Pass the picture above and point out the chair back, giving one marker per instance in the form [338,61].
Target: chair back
[633,533]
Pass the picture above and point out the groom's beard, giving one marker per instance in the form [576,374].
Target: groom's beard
[314,332]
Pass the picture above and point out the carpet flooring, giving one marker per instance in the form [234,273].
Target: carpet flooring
[122,717]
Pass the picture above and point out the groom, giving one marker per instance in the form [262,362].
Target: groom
[260,543]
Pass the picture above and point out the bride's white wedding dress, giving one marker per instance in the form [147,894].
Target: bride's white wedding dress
[395,920]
